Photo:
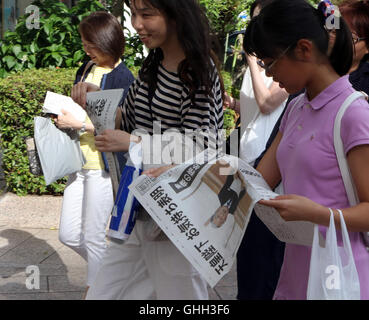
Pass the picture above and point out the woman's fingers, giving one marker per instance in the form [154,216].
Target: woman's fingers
[101,142]
[112,141]
[156,172]
[294,207]
[272,203]
[149,172]
[79,92]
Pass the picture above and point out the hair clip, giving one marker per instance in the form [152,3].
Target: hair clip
[331,13]
[326,7]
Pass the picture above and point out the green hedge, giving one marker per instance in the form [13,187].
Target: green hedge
[229,115]
[21,99]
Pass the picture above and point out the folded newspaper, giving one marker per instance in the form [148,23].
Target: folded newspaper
[55,102]
[204,208]
[101,108]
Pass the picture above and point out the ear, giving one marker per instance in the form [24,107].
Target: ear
[304,50]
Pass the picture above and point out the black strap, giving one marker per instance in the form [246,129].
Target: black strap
[150,97]
[88,66]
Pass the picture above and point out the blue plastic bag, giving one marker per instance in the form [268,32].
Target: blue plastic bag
[126,206]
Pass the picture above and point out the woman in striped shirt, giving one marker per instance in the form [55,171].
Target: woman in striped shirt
[178,86]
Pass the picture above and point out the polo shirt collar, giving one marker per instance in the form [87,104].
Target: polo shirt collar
[328,93]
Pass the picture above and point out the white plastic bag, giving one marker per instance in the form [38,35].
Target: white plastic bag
[59,154]
[333,274]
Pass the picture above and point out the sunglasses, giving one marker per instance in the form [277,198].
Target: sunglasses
[269,66]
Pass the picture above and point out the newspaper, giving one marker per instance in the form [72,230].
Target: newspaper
[101,108]
[204,209]
[55,102]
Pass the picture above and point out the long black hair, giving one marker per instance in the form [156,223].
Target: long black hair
[282,23]
[193,32]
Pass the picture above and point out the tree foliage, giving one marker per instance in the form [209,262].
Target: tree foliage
[54,43]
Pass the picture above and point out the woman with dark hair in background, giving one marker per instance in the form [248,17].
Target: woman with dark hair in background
[88,196]
[296,57]
[260,105]
[356,15]
[179,86]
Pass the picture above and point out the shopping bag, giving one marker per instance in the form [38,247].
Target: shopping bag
[123,217]
[333,274]
[60,154]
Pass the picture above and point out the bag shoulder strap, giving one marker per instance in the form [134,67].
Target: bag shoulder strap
[88,65]
[338,146]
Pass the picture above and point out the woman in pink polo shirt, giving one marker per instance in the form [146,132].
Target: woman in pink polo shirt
[303,152]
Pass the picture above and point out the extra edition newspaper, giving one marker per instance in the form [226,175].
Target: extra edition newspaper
[101,108]
[55,102]
[204,209]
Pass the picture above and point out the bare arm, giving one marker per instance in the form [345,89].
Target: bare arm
[268,166]
[357,217]
[293,207]
[268,99]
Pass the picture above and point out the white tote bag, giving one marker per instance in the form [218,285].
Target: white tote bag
[333,274]
[59,154]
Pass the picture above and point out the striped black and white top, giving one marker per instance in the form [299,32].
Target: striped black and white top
[171,105]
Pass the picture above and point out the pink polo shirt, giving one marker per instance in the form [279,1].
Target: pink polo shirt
[308,165]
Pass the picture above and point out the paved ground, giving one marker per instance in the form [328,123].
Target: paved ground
[29,237]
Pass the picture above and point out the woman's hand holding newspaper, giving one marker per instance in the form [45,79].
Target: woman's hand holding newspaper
[79,92]
[67,121]
[156,172]
[293,207]
[114,140]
